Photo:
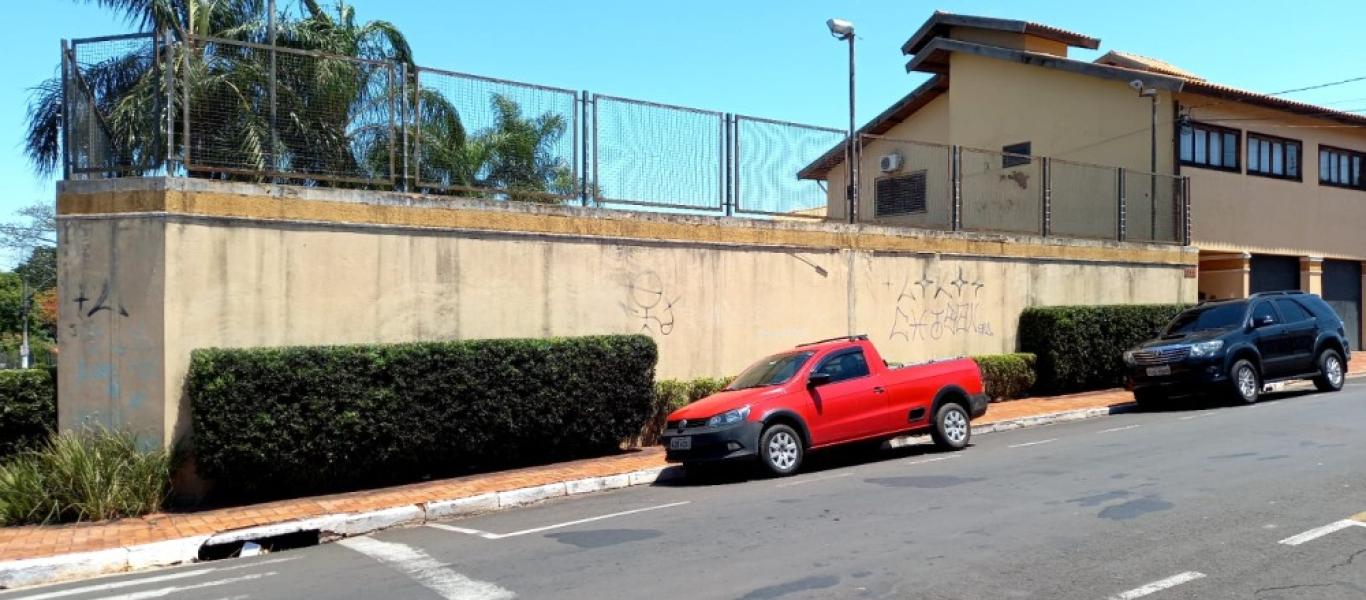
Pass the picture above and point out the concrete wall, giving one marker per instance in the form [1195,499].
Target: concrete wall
[195,264]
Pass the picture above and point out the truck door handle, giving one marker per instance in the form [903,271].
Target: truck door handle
[879,389]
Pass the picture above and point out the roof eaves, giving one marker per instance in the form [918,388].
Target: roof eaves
[933,59]
[896,113]
[940,20]
[1225,92]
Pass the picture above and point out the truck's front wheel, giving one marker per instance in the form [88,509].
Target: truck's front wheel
[780,448]
[952,429]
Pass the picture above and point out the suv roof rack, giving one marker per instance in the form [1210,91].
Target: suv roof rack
[850,338]
[1280,293]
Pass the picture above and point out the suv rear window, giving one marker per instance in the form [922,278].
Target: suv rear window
[1205,318]
[1292,311]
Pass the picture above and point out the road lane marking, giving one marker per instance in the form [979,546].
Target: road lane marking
[167,591]
[812,480]
[498,536]
[932,459]
[425,570]
[1047,441]
[1158,586]
[1203,414]
[105,587]
[1114,429]
[1319,532]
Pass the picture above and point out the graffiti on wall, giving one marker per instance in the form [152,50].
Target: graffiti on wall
[649,301]
[936,308]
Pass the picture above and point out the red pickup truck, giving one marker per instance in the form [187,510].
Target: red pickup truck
[823,394]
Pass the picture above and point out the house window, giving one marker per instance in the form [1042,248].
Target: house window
[1272,156]
[900,195]
[1210,146]
[1015,155]
[1341,168]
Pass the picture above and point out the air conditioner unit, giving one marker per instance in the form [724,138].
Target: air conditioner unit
[890,162]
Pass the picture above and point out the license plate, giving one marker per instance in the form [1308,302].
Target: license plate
[680,443]
[1159,371]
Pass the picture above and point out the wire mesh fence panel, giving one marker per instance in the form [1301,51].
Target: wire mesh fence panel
[1001,192]
[325,118]
[657,155]
[115,98]
[768,155]
[1084,200]
[1152,208]
[905,182]
[499,138]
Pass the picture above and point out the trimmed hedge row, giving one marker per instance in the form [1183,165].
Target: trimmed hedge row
[1006,376]
[284,421]
[673,394]
[1082,347]
[28,408]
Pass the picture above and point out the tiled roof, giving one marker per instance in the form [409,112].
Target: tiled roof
[1144,63]
[940,22]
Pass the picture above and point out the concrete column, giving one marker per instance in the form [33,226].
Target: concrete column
[1225,275]
[1311,274]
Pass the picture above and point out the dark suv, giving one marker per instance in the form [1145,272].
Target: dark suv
[1236,346]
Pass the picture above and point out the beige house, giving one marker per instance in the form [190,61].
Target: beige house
[1273,188]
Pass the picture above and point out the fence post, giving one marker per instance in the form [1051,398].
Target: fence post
[185,157]
[1185,211]
[583,110]
[956,188]
[389,88]
[169,68]
[404,116]
[66,111]
[729,154]
[1123,226]
[1047,167]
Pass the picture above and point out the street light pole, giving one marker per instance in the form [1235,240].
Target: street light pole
[1151,94]
[844,30]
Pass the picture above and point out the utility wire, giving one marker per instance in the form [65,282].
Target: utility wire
[1319,86]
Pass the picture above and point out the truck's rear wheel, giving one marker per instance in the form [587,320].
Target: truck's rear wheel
[780,449]
[952,428]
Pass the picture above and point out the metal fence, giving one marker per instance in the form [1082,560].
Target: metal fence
[936,186]
[145,104]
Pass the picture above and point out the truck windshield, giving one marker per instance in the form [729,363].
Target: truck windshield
[1222,316]
[773,370]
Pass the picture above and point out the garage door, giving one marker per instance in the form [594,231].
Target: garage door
[1342,290]
[1275,273]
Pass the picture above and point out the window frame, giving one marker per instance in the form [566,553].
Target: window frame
[1350,155]
[1237,141]
[1285,143]
[841,354]
[1012,157]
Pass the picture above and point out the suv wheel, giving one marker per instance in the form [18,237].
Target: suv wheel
[952,429]
[1331,371]
[780,447]
[1247,383]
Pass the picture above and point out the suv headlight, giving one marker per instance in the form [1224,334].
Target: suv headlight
[729,417]
[1204,349]
[1129,358]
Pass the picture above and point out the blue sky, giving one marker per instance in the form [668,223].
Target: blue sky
[769,58]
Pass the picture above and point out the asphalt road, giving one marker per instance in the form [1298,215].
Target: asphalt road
[1212,502]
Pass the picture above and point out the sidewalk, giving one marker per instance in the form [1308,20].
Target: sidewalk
[34,554]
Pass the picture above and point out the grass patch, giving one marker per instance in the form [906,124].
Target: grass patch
[92,475]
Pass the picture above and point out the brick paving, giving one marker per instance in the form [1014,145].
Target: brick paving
[33,541]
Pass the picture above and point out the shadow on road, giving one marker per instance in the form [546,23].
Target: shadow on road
[830,459]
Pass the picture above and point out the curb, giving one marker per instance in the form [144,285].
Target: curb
[332,527]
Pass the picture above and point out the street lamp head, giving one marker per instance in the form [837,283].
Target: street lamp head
[840,28]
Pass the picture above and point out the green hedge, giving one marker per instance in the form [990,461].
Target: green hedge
[273,422]
[28,408]
[673,394]
[1082,347]
[1006,376]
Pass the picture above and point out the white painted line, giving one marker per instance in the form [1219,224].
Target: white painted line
[933,459]
[92,589]
[1203,414]
[426,570]
[167,591]
[1114,429]
[498,536]
[1158,586]
[812,480]
[1047,441]
[1319,532]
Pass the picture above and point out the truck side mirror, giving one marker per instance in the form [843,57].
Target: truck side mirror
[817,379]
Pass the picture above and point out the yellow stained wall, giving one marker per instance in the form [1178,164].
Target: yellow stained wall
[917,140]
[209,265]
[1241,212]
